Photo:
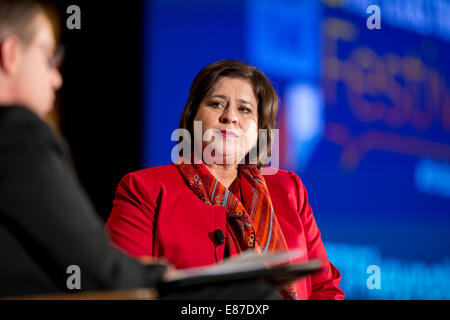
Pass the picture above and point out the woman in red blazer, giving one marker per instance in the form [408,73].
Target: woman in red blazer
[173,211]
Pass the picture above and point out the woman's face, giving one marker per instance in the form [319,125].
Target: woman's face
[229,118]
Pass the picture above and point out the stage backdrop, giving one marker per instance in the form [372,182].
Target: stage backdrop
[364,120]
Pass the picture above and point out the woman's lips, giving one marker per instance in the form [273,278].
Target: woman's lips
[228,133]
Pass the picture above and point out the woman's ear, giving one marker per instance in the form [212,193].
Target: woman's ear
[10,54]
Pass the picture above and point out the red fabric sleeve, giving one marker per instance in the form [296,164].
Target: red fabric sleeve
[325,284]
[130,225]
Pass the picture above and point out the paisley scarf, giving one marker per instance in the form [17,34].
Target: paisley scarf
[251,221]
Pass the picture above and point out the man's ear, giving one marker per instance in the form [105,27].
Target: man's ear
[10,54]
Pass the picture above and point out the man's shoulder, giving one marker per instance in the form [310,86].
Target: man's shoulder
[27,143]
[16,115]
[19,123]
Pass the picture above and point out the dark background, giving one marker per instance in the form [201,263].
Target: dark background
[98,106]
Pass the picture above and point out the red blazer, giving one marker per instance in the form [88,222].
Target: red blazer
[156,214]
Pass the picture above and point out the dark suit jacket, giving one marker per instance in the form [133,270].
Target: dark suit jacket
[47,222]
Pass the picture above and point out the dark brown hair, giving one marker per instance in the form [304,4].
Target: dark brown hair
[205,81]
[16,17]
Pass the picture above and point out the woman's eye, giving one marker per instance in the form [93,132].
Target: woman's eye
[216,104]
[245,110]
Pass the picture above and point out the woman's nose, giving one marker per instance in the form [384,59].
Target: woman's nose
[57,80]
[229,115]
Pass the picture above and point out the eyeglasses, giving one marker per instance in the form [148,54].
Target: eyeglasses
[57,55]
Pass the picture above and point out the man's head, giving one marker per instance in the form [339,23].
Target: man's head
[28,75]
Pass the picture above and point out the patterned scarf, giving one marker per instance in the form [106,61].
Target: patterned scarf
[250,226]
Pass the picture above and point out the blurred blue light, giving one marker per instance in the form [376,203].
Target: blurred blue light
[283,37]
[305,122]
[399,279]
[433,177]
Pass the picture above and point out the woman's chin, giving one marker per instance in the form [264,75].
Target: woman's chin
[221,159]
